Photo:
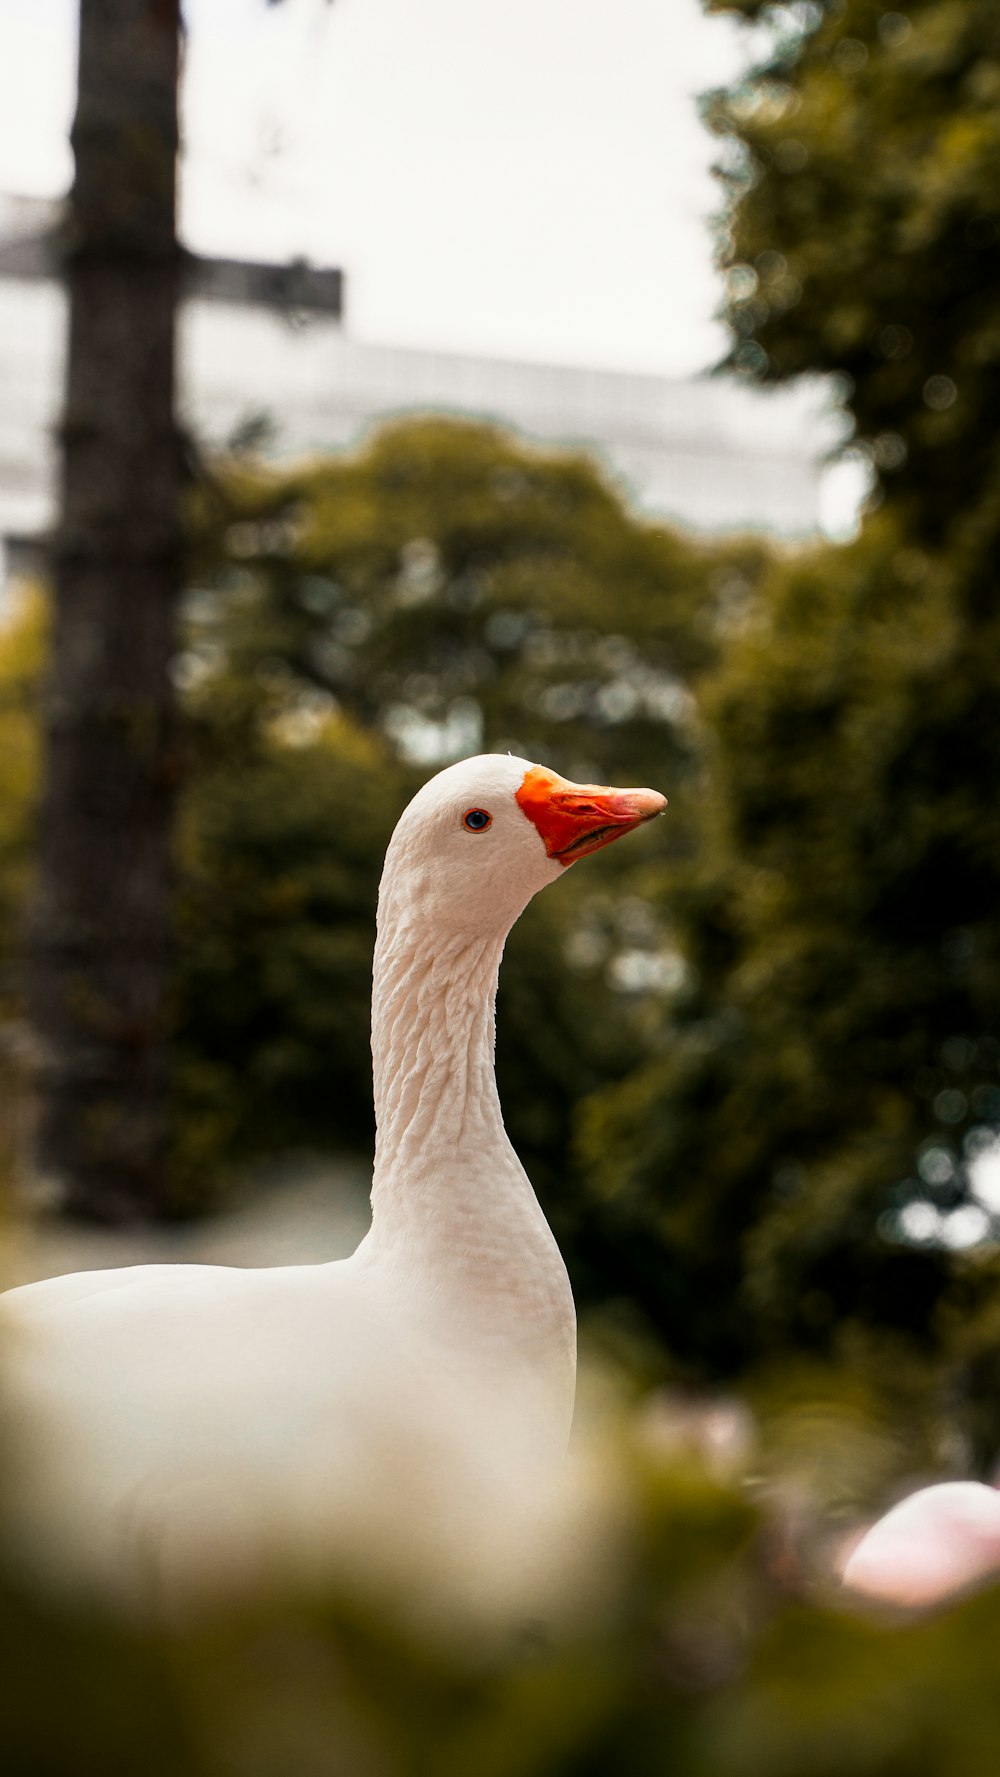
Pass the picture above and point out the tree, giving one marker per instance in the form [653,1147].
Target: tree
[97,946]
[101,907]
[803,1149]
[863,238]
[443,589]
[448,586]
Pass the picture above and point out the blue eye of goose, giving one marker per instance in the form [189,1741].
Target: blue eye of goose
[477,820]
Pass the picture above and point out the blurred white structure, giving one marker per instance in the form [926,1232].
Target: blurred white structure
[261,343]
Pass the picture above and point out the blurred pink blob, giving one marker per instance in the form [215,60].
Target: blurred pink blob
[930,1547]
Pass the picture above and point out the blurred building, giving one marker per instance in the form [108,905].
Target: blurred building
[265,356]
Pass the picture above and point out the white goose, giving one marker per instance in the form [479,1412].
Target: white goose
[180,1424]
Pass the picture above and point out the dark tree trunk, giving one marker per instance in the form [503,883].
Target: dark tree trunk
[98,937]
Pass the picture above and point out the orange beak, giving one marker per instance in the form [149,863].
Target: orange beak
[574,819]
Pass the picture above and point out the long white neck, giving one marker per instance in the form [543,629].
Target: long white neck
[436,1105]
[453,1213]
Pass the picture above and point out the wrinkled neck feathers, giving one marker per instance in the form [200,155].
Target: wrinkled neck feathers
[436,1102]
[433,994]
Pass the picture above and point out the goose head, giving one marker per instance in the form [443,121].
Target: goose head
[483,836]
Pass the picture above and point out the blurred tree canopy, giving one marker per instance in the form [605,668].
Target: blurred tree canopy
[451,588]
[862,238]
[23,647]
[353,624]
[349,626]
[804,1147]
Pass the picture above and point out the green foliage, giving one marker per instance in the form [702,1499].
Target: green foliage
[445,589]
[281,854]
[22,651]
[452,588]
[863,235]
[685,1636]
[353,624]
[800,1149]
[833,1053]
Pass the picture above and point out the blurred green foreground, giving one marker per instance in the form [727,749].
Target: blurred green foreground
[683,1641]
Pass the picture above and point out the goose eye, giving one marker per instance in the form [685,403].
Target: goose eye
[477,820]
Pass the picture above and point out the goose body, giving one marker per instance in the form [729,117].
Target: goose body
[173,1422]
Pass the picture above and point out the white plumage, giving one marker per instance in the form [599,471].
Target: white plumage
[177,1427]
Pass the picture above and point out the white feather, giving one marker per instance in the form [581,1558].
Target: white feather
[182,1427]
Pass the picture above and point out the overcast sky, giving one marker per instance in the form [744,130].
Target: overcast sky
[529,179]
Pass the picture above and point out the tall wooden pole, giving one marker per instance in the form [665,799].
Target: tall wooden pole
[98,937]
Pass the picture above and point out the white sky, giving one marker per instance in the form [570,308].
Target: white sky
[529,179]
